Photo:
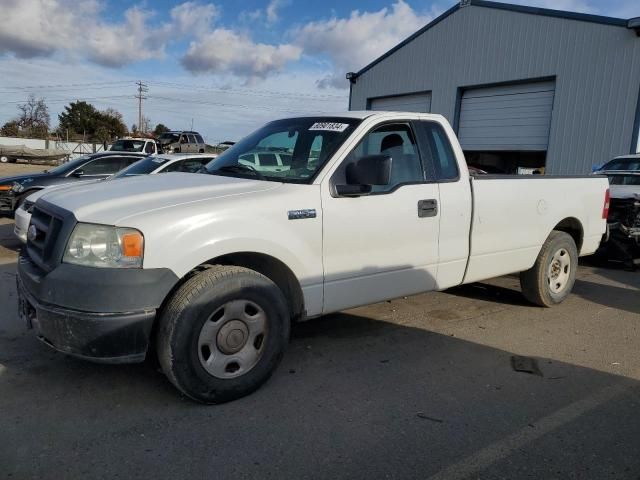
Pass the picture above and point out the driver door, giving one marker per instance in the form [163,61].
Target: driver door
[385,244]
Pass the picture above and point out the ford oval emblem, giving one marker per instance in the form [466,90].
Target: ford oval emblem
[32,233]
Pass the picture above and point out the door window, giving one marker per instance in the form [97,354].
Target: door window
[199,138]
[102,166]
[192,139]
[267,160]
[437,150]
[396,141]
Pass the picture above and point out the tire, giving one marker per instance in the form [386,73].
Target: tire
[209,342]
[4,159]
[201,150]
[552,277]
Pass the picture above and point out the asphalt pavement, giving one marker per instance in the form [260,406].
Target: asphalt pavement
[417,388]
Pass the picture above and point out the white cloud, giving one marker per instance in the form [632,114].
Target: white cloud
[32,28]
[129,42]
[351,43]
[268,15]
[193,18]
[272,9]
[226,51]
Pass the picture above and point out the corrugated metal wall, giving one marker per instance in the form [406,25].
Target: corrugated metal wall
[596,69]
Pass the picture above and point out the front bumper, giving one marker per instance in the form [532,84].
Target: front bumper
[103,315]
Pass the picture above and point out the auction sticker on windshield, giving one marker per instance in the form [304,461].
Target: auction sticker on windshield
[329,126]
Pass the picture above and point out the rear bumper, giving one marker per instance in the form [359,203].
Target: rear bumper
[103,315]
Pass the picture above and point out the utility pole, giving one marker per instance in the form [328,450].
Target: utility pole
[142,89]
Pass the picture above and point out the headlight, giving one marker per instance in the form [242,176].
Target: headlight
[17,187]
[105,246]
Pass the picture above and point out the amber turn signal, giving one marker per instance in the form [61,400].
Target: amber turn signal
[132,244]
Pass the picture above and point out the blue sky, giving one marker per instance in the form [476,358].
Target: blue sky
[228,66]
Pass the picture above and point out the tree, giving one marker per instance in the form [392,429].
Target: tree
[34,117]
[82,118]
[160,129]
[79,118]
[10,129]
[111,121]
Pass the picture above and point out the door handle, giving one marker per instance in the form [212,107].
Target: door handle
[427,208]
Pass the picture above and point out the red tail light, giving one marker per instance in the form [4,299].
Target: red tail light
[607,201]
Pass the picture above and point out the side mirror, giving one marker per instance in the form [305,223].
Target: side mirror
[78,173]
[363,174]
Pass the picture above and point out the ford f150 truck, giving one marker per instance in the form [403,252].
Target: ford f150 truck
[212,269]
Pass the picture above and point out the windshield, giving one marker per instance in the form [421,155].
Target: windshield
[291,150]
[169,138]
[128,145]
[67,167]
[142,167]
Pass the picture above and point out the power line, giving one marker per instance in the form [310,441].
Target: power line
[66,85]
[261,93]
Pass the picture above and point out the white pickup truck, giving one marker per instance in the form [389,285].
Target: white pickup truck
[212,268]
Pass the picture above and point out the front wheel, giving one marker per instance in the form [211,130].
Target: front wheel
[552,277]
[222,333]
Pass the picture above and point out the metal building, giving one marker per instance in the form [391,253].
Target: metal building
[525,88]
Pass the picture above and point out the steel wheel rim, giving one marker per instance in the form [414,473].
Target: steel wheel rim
[559,271]
[232,339]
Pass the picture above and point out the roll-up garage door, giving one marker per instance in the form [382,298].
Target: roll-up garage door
[418,102]
[514,117]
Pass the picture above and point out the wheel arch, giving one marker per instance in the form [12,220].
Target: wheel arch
[272,268]
[573,227]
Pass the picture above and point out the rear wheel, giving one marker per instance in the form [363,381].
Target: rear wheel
[222,333]
[4,159]
[552,277]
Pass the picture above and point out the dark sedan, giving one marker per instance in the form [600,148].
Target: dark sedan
[13,190]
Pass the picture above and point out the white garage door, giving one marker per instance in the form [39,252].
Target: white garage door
[419,102]
[515,117]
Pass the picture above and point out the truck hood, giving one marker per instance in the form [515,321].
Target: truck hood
[39,193]
[111,202]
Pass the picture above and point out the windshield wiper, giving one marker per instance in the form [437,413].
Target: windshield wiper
[239,169]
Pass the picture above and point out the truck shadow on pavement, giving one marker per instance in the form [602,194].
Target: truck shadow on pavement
[355,397]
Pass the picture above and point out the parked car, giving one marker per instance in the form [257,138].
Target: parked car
[623,242]
[266,161]
[145,145]
[177,162]
[15,189]
[212,269]
[629,163]
[182,142]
